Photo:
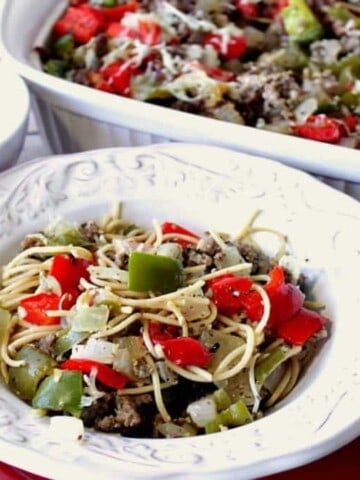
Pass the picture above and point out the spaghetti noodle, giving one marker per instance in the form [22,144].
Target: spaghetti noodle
[76,302]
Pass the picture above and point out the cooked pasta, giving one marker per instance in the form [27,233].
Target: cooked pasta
[152,332]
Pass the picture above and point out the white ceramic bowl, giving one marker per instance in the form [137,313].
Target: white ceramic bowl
[201,187]
[75,118]
[15,105]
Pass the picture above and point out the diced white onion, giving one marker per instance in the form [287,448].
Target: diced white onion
[90,319]
[202,411]
[109,273]
[170,249]
[96,349]
[66,429]
[305,108]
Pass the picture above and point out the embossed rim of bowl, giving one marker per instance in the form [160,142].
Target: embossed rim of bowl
[66,99]
[318,418]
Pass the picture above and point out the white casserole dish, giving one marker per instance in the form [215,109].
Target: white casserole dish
[15,101]
[76,118]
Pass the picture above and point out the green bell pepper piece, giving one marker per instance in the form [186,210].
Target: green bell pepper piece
[350,63]
[105,3]
[60,392]
[266,366]
[66,341]
[64,46]
[154,273]
[291,57]
[300,22]
[24,380]
[221,398]
[56,67]
[350,99]
[235,415]
[343,15]
[340,13]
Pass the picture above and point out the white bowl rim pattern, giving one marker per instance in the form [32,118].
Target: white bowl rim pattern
[316,157]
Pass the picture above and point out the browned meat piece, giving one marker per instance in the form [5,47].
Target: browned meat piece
[90,231]
[261,262]
[125,414]
[31,241]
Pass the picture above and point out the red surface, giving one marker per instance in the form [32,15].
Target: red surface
[342,464]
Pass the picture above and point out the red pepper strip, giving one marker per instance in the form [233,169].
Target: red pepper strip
[160,332]
[275,8]
[115,14]
[149,32]
[247,8]
[233,294]
[69,270]
[116,29]
[105,374]
[170,227]
[118,77]
[235,47]
[76,3]
[319,127]
[216,73]
[285,299]
[185,351]
[35,308]
[301,326]
[347,124]
[83,22]
[228,293]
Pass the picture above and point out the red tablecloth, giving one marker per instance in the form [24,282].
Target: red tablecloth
[342,464]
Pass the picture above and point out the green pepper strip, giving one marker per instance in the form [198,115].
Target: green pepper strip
[154,273]
[24,380]
[266,366]
[300,22]
[68,340]
[64,46]
[60,392]
[235,415]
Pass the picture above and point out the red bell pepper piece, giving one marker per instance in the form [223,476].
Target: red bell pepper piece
[228,292]
[170,227]
[275,8]
[233,294]
[285,298]
[185,351]
[83,22]
[105,374]
[216,73]
[348,124]
[149,32]
[319,127]
[160,332]
[35,308]
[118,77]
[235,47]
[69,270]
[115,14]
[247,8]
[76,3]
[116,29]
[301,326]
